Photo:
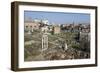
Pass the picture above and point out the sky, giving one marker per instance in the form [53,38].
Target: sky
[58,17]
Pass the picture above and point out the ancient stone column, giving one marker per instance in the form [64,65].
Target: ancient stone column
[44,42]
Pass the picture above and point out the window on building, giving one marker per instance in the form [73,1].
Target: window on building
[26,26]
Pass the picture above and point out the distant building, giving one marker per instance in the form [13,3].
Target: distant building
[76,27]
[45,22]
[37,20]
[56,29]
[31,25]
